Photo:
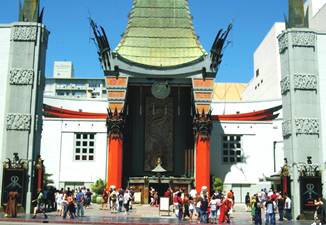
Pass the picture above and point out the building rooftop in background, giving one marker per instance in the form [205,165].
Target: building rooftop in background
[228,91]
[63,69]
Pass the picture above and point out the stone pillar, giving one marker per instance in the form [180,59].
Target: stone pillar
[115,123]
[301,104]
[202,128]
[24,96]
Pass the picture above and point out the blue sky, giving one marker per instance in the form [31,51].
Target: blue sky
[67,20]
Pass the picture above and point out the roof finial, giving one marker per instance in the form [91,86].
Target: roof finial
[30,12]
[297,17]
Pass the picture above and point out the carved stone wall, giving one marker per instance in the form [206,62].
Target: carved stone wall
[307,126]
[303,39]
[286,128]
[305,82]
[306,39]
[21,76]
[285,85]
[283,42]
[24,33]
[18,121]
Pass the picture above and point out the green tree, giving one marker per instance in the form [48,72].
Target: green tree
[217,184]
[98,186]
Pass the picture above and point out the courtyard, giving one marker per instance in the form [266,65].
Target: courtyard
[141,214]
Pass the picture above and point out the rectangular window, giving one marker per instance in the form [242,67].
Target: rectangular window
[84,146]
[257,72]
[232,151]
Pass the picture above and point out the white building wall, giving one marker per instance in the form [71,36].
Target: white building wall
[318,21]
[58,143]
[262,157]
[4,60]
[314,6]
[63,69]
[58,149]
[321,48]
[51,147]
[265,84]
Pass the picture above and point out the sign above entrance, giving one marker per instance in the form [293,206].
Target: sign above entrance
[161,90]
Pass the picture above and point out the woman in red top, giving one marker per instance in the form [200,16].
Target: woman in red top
[225,209]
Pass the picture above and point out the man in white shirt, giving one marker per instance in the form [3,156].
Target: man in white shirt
[287,208]
[193,193]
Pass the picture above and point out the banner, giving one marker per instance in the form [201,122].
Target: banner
[14,180]
[310,189]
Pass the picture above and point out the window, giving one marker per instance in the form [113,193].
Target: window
[84,146]
[232,149]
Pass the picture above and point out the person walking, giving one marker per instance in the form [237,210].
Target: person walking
[120,199]
[80,199]
[126,199]
[180,206]
[203,209]
[287,208]
[69,208]
[318,211]
[113,199]
[11,208]
[40,205]
[213,207]
[186,203]
[247,202]
[258,207]
[88,195]
[280,206]
[270,213]
[105,198]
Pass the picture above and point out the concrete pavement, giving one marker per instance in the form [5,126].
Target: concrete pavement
[140,215]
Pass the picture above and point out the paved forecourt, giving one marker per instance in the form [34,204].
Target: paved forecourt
[140,215]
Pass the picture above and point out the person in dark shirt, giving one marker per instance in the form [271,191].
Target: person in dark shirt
[203,209]
[280,206]
[88,195]
[247,202]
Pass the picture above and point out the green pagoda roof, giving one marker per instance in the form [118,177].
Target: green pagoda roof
[160,33]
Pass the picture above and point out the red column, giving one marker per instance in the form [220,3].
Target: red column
[114,161]
[39,179]
[202,163]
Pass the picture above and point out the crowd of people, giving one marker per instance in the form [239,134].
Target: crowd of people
[117,200]
[68,203]
[269,203]
[266,204]
[192,206]
[200,207]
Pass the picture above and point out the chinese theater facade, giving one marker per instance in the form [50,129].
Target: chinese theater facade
[160,83]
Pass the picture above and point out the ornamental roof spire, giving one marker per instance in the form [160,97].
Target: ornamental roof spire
[297,17]
[160,33]
[30,12]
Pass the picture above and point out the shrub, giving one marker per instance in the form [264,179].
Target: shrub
[98,186]
[218,184]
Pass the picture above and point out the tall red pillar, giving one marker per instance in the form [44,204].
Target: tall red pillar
[202,129]
[202,163]
[115,124]
[114,162]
